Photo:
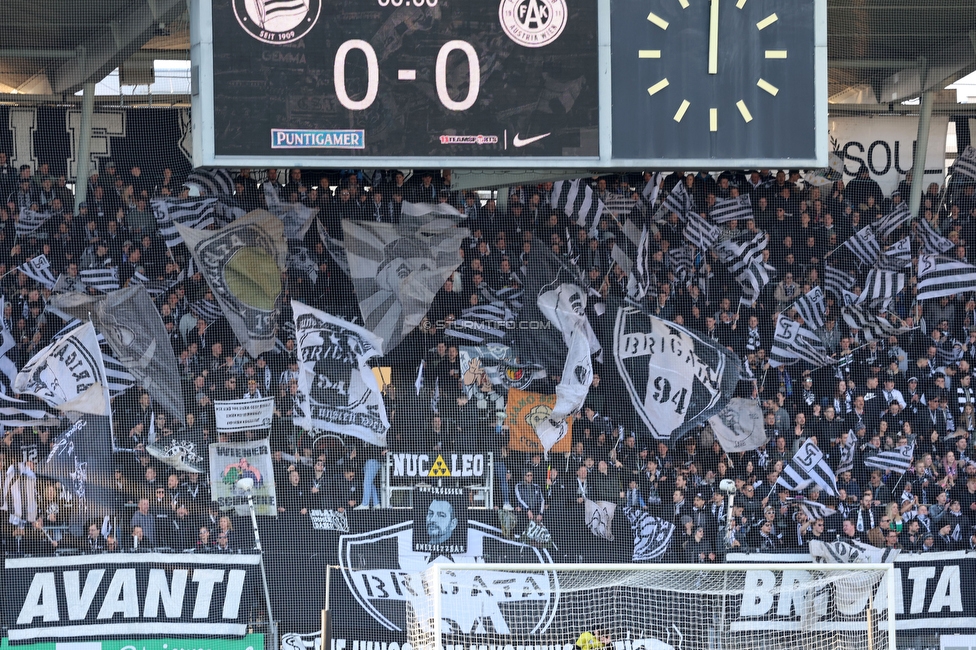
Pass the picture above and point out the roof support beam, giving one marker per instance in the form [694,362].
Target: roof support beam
[110,46]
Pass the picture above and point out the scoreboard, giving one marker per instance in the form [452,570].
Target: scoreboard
[506,83]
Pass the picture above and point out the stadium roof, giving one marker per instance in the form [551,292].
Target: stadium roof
[880,51]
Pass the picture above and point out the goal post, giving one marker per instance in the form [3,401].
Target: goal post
[652,607]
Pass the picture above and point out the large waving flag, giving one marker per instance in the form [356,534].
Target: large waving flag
[242,263]
[397,269]
[808,466]
[338,389]
[132,327]
[943,276]
[68,374]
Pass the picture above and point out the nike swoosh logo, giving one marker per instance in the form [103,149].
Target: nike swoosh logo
[519,142]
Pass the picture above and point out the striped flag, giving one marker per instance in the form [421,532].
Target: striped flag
[737,255]
[847,452]
[701,233]
[792,342]
[624,251]
[837,281]
[931,241]
[812,308]
[897,460]
[117,378]
[192,213]
[874,325]
[814,509]
[752,279]
[725,210]
[280,10]
[640,281]
[808,466]
[18,413]
[682,262]
[942,276]
[38,269]
[897,256]
[678,201]
[893,220]
[965,164]
[651,189]
[206,310]
[212,182]
[619,205]
[30,221]
[578,202]
[103,279]
[864,245]
[481,324]
[881,286]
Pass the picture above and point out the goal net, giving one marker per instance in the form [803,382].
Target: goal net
[651,607]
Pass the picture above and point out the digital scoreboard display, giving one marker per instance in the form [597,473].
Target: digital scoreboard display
[405,78]
[509,83]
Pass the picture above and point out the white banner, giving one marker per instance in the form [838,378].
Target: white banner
[230,462]
[237,415]
[886,144]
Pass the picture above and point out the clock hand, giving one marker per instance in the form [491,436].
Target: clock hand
[713,38]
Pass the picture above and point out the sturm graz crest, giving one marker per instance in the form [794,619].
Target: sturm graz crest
[382,572]
[277,21]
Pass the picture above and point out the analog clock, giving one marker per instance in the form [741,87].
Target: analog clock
[735,82]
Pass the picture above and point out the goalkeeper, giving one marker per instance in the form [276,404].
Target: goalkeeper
[591,641]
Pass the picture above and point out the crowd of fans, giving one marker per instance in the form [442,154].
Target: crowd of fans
[917,384]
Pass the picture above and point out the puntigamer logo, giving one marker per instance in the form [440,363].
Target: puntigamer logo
[277,21]
[318,139]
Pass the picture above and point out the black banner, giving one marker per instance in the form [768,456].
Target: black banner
[153,138]
[130,595]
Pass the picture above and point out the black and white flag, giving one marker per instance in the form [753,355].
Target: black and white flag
[932,243]
[242,263]
[808,466]
[193,213]
[676,380]
[208,310]
[737,209]
[864,244]
[898,460]
[81,460]
[851,551]
[943,276]
[965,164]
[812,308]
[889,223]
[68,374]
[30,221]
[792,342]
[132,327]
[897,256]
[678,201]
[103,279]
[337,387]
[682,262]
[212,182]
[847,448]
[739,426]
[881,286]
[874,325]
[837,281]
[38,269]
[577,201]
[397,269]
[814,509]
[701,233]
[18,413]
[652,535]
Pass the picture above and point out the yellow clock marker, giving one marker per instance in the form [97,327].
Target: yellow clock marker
[744,110]
[657,20]
[768,87]
[682,110]
[649,54]
[740,4]
[713,38]
[713,119]
[775,54]
[767,21]
[659,86]
[684,3]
